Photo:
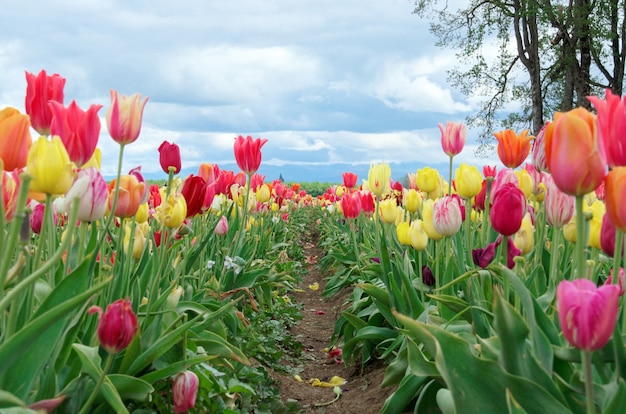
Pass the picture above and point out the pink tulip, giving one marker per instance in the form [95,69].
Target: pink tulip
[587,314]
[447,216]
[184,391]
[538,151]
[611,122]
[248,153]
[453,137]
[169,156]
[559,206]
[221,228]
[92,191]
[349,179]
[620,280]
[351,205]
[79,130]
[124,117]
[42,89]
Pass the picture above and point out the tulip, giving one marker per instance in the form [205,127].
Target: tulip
[124,117]
[79,130]
[427,218]
[524,238]
[587,314]
[484,256]
[508,210]
[559,206]
[428,279]
[169,157]
[524,182]
[257,180]
[427,179]
[15,139]
[351,205]
[506,176]
[138,241]
[598,211]
[453,137]
[184,391]
[489,172]
[388,210]
[248,153]
[131,193]
[412,200]
[95,161]
[611,122]
[468,180]
[412,177]
[402,232]
[607,236]
[349,179]
[10,190]
[92,192]
[172,211]
[378,179]
[368,204]
[50,166]
[479,199]
[417,235]
[573,152]
[143,213]
[37,214]
[194,190]
[263,194]
[538,151]
[210,172]
[447,217]
[615,197]
[42,89]
[512,148]
[117,325]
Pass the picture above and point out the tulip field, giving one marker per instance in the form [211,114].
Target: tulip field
[491,289]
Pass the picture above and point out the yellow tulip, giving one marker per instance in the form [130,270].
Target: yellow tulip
[418,235]
[142,214]
[412,200]
[95,160]
[427,179]
[388,210]
[172,211]
[138,239]
[50,167]
[524,238]
[263,193]
[569,230]
[378,179]
[402,232]
[427,217]
[468,180]
[524,182]
[598,209]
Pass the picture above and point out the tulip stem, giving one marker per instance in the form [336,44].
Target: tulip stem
[468,230]
[554,256]
[579,252]
[450,177]
[617,255]
[107,365]
[586,360]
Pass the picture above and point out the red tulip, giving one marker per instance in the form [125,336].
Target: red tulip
[248,153]
[508,209]
[587,314]
[79,130]
[351,205]
[117,325]
[169,156]
[349,179]
[40,90]
[194,189]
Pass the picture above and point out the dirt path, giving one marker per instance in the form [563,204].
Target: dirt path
[362,393]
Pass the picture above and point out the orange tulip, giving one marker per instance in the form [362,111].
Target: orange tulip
[615,200]
[131,194]
[573,155]
[15,139]
[512,148]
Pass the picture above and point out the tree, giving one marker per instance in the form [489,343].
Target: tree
[549,56]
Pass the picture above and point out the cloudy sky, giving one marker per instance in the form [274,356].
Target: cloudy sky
[331,84]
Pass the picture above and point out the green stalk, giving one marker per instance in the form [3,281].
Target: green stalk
[450,176]
[554,256]
[468,230]
[107,366]
[586,360]
[579,252]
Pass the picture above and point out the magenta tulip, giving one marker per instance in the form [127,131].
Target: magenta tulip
[508,209]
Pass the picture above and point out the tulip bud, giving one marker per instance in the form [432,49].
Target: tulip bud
[184,391]
[124,117]
[447,217]
[221,228]
[117,326]
[169,156]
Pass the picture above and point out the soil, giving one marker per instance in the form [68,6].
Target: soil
[362,392]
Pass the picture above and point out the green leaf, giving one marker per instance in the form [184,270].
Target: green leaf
[214,344]
[175,368]
[9,400]
[403,395]
[418,364]
[512,405]
[26,353]
[478,385]
[616,403]
[131,388]
[455,304]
